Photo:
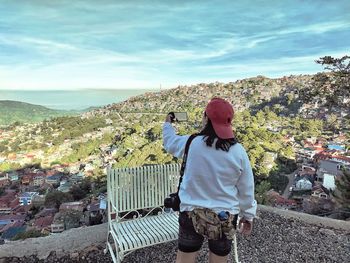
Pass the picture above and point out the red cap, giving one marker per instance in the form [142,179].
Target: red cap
[220,112]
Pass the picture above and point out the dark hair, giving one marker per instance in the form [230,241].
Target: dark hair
[210,135]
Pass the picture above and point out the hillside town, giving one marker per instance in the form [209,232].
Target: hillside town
[32,180]
[22,205]
[310,187]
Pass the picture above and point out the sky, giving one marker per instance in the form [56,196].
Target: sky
[74,44]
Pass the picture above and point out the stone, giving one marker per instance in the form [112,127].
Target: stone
[326,232]
[74,255]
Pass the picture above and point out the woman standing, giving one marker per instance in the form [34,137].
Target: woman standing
[217,185]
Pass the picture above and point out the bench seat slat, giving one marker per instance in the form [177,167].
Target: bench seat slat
[156,229]
[166,227]
[143,232]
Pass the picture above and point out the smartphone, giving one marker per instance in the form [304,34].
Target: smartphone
[179,116]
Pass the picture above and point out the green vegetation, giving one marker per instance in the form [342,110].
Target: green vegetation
[29,234]
[21,112]
[266,112]
[332,88]
[56,198]
[82,150]
[80,191]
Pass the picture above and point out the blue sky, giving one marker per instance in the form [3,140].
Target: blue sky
[75,44]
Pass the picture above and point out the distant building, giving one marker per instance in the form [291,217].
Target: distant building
[77,206]
[26,198]
[328,167]
[4,180]
[78,177]
[320,191]
[26,179]
[303,184]
[13,176]
[329,181]
[57,227]
[8,202]
[64,187]
[336,147]
[44,223]
[38,180]
[53,179]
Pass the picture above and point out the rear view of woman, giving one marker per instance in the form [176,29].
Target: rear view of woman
[217,185]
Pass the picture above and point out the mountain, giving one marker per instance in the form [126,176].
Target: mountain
[15,111]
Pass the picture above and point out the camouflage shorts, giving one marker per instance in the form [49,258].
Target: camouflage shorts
[207,223]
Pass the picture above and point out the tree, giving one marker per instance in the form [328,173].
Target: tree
[342,193]
[77,193]
[260,192]
[56,198]
[332,122]
[332,89]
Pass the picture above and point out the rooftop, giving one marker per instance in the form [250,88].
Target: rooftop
[278,236]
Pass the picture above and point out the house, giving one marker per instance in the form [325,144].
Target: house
[43,223]
[329,167]
[337,147]
[320,191]
[8,202]
[26,179]
[65,186]
[96,213]
[13,176]
[77,206]
[279,201]
[307,170]
[341,159]
[68,218]
[4,180]
[325,155]
[302,184]
[46,212]
[21,210]
[53,179]
[38,180]
[329,181]
[78,177]
[26,198]
[57,227]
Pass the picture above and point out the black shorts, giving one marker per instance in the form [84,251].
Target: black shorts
[191,241]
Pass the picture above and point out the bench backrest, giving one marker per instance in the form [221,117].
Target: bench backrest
[131,189]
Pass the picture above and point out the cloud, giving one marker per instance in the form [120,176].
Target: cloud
[119,44]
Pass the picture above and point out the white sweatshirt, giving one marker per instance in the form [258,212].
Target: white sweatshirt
[215,179]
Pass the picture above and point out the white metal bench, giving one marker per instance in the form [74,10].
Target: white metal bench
[139,193]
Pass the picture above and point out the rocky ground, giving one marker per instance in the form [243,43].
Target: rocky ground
[274,239]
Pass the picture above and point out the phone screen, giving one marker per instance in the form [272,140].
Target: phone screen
[181,116]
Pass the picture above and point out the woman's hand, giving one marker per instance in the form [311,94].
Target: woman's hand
[245,227]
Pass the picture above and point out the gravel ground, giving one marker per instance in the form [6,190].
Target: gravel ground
[274,239]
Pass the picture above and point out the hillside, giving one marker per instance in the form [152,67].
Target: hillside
[243,94]
[128,134]
[15,111]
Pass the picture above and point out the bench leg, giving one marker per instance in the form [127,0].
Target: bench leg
[235,251]
[117,257]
